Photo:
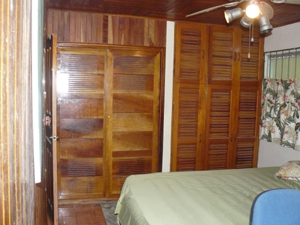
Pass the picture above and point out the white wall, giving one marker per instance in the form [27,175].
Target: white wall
[281,38]
[166,161]
[37,73]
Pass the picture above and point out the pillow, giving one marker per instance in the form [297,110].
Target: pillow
[289,171]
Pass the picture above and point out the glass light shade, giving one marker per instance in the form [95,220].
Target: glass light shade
[246,21]
[252,11]
[232,14]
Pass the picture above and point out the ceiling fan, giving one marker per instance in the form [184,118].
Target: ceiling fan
[256,9]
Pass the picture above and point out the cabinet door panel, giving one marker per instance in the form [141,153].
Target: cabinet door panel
[188,125]
[248,98]
[190,53]
[217,154]
[219,126]
[81,147]
[132,102]
[132,141]
[251,64]
[221,51]
[133,120]
[189,97]
[80,111]
[246,141]
[81,187]
[137,83]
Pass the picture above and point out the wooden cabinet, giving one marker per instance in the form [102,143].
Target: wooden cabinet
[224,103]
[108,117]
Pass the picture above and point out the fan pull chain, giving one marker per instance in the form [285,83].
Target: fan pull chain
[249,41]
[251,38]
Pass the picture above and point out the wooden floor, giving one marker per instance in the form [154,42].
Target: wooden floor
[81,214]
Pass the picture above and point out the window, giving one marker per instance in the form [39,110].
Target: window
[282,64]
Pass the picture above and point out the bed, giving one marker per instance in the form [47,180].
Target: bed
[195,198]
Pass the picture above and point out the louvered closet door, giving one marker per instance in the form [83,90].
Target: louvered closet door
[222,55]
[219,126]
[247,120]
[251,65]
[246,136]
[187,142]
[80,94]
[189,97]
[190,53]
[133,133]
[222,74]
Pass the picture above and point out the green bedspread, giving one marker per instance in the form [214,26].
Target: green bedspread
[219,197]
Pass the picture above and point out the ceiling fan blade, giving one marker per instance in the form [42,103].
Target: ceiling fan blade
[230,4]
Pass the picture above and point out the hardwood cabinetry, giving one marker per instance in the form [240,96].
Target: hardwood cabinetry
[108,117]
[215,120]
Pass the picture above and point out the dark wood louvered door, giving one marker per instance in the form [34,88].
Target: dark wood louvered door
[221,98]
[216,108]
[189,97]
[234,95]
[222,55]
[246,134]
[248,113]
[219,126]
[109,118]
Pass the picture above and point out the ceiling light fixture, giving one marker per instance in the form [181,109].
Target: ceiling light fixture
[252,10]
[232,14]
[255,9]
[264,24]
[246,21]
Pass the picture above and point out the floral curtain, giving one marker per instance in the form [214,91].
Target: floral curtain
[280,112]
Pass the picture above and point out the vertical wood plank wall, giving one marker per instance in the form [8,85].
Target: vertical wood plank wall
[86,27]
[16,148]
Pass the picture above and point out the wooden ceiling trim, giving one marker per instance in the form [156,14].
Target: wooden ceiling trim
[173,10]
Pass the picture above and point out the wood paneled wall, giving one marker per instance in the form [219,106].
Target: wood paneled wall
[16,148]
[73,26]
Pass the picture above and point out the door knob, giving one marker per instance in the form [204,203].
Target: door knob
[54,138]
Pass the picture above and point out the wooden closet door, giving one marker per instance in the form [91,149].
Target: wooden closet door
[250,58]
[223,75]
[215,123]
[132,109]
[223,53]
[248,110]
[246,134]
[189,97]
[188,126]
[80,94]
[219,126]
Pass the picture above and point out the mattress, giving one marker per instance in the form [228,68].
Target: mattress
[215,197]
